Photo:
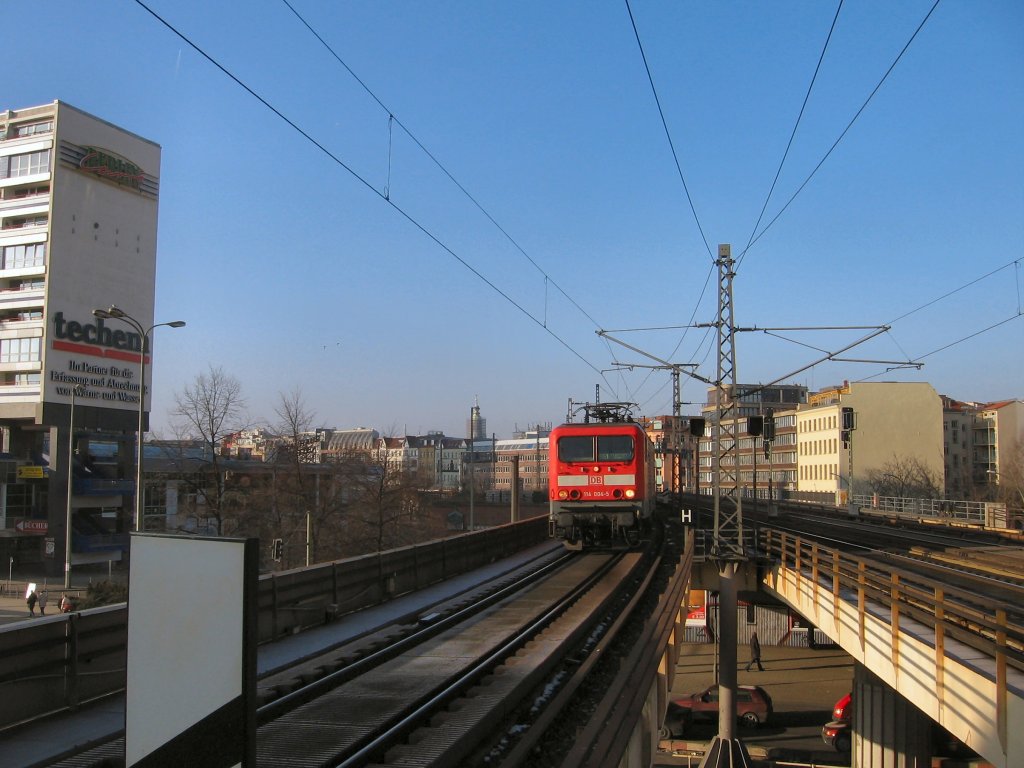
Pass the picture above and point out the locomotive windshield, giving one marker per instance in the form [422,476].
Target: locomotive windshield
[583,448]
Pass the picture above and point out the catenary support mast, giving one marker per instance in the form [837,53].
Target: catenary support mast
[726,751]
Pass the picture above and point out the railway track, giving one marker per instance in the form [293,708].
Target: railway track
[480,681]
[448,685]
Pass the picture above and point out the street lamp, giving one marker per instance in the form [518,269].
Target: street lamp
[78,390]
[113,313]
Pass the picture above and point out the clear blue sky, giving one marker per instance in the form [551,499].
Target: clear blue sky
[294,274]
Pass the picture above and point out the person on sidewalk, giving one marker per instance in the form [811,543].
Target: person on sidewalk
[42,603]
[755,653]
[31,600]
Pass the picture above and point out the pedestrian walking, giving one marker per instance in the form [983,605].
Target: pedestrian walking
[31,600]
[65,604]
[42,603]
[755,653]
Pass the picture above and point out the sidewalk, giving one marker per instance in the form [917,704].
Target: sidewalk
[803,683]
[13,607]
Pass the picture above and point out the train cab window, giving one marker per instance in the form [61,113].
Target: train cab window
[573,449]
[615,448]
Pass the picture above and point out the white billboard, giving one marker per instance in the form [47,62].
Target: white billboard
[192,635]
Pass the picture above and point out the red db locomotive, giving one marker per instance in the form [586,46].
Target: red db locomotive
[600,479]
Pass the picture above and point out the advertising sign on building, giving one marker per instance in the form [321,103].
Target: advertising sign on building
[102,253]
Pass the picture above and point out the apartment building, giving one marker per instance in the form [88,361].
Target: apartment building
[998,443]
[675,449]
[957,432]
[78,225]
[893,423]
[757,473]
[530,451]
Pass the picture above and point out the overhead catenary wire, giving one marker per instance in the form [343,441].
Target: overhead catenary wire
[1015,263]
[433,158]
[841,135]
[668,134]
[796,125]
[398,209]
[951,344]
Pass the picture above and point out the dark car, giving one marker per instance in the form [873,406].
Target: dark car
[836,732]
[753,707]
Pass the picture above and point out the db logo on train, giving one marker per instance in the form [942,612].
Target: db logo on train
[596,480]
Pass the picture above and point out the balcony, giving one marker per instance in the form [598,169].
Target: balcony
[25,204]
[30,226]
[19,393]
[16,323]
[22,298]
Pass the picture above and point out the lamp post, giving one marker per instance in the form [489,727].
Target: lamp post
[115,313]
[78,390]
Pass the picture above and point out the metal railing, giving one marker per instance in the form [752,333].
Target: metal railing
[992,627]
[985,513]
[55,663]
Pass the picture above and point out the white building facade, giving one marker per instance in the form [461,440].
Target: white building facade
[78,225]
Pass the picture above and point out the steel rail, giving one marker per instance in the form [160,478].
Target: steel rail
[398,731]
[313,689]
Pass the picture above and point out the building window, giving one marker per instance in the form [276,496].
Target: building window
[33,129]
[29,164]
[21,256]
[20,379]
[20,350]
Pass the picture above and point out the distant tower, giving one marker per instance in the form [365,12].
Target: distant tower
[476,427]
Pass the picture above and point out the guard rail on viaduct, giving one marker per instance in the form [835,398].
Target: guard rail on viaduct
[58,662]
[957,658]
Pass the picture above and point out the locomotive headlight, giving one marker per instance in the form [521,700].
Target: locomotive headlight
[563,494]
[630,493]
[597,469]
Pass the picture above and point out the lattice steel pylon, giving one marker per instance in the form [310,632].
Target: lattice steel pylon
[728,543]
[726,750]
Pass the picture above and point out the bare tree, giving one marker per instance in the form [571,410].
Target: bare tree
[205,412]
[384,500]
[905,477]
[297,505]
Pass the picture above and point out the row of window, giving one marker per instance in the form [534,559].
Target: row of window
[30,284]
[30,129]
[819,472]
[20,379]
[28,164]
[21,350]
[818,447]
[747,443]
[706,479]
[819,424]
[22,256]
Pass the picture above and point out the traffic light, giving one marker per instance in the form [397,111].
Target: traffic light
[277,549]
[697,427]
[848,418]
[755,425]
[769,424]
[845,437]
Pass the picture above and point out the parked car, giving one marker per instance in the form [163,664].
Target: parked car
[836,732]
[753,707]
